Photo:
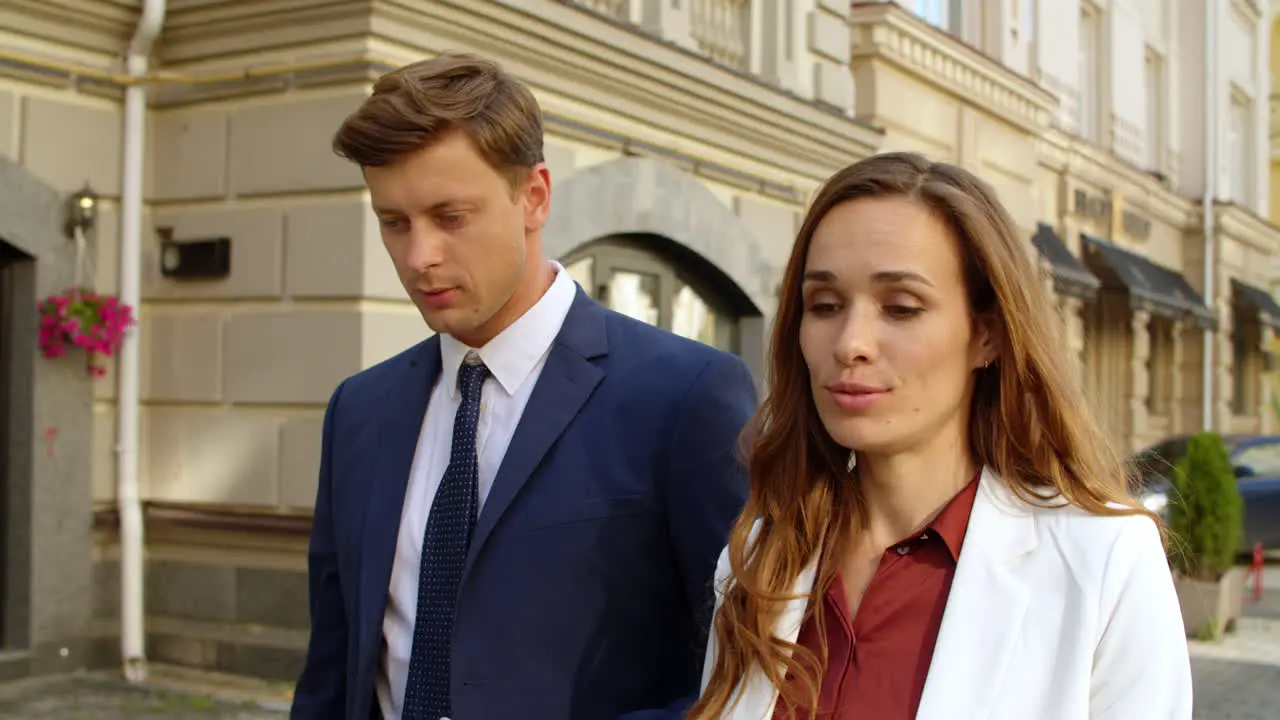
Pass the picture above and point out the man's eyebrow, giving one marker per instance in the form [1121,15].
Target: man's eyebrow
[434,208]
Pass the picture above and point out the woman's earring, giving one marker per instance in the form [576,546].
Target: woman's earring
[853,460]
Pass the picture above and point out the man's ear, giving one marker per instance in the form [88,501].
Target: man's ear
[537,197]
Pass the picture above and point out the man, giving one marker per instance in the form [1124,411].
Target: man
[519,517]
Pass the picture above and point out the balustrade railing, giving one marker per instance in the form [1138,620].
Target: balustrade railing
[720,29]
[613,8]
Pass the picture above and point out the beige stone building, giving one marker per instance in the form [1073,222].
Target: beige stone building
[683,141]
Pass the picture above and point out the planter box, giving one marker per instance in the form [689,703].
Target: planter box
[1220,603]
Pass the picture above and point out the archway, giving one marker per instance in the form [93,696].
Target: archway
[685,260]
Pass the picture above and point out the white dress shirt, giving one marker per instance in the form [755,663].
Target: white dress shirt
[515,359]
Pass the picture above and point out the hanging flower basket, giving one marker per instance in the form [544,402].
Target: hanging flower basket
[82,319]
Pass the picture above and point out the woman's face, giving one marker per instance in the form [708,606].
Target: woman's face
[886,330]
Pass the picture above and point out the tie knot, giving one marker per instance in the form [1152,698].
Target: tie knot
[471,376]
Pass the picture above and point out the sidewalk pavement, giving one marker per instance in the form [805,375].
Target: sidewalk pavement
[170,693]
[1235,679]
[1239,677]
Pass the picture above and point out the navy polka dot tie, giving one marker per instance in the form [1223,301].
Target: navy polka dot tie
[444,552]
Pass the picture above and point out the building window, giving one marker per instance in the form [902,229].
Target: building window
[1238,150]
[1087,106]
[630,278]
[1154,72]
[946,15]
[1246,363]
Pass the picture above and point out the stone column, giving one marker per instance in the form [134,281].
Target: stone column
[1177,412]
[1073,334]
[1223,366]
[1267,388]
[1140,323]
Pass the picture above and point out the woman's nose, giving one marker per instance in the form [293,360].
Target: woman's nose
[857,341]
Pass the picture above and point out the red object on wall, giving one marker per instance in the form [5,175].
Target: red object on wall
[50,439]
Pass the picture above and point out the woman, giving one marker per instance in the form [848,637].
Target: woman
[937,528]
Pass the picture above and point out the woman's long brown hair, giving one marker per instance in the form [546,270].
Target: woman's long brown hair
[1029,422]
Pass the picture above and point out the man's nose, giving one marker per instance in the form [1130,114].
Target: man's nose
[425,248]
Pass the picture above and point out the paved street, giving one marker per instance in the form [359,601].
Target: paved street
[1236,679]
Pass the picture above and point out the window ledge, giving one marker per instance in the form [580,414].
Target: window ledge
[889,32]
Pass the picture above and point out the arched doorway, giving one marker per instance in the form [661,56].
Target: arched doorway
[652,242]
[647,277]
[17,294]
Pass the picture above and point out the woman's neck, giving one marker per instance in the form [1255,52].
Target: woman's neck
[904,492]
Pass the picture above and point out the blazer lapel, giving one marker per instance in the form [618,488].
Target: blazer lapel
[985,609]
[756,695]
[406,400]
[567,380]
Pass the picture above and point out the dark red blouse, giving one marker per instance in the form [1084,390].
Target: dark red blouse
[877,663]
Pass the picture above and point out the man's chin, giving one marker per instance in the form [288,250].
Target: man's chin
[451,322]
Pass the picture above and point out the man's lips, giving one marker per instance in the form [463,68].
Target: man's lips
[437,298]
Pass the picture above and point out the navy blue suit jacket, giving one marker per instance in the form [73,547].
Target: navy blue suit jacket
[587,591]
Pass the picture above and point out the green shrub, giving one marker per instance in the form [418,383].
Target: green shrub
[1206,513]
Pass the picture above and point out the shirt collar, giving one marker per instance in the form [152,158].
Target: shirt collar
[952,523]
[513,354]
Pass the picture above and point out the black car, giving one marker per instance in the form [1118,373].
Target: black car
[1256,459]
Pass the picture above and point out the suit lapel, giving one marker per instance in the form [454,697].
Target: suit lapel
[985,609]
[406,400]
[567,380]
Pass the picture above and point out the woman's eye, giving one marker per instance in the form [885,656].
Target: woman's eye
[902,312]
[822,308]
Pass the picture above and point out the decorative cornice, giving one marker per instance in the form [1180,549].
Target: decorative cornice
[89,28]
[888,32]
[606,71]
[1247,226]
[642,81]
[1081,159]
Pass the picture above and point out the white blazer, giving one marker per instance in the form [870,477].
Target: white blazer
[1054,614]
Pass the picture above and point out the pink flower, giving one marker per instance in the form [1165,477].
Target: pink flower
[83,319]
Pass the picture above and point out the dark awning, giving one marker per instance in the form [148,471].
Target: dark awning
[1151,287]
[1258,300]
[1070,276]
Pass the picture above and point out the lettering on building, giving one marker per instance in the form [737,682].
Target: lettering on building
[1135,225]
[1094,207]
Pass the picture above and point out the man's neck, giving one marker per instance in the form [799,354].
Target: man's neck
[537,282]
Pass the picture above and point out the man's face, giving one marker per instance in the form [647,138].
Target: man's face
[462,239]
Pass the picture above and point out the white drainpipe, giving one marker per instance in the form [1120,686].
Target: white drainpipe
[132,613]
[1209,369]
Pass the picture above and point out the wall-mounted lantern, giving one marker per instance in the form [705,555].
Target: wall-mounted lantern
[81,211]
